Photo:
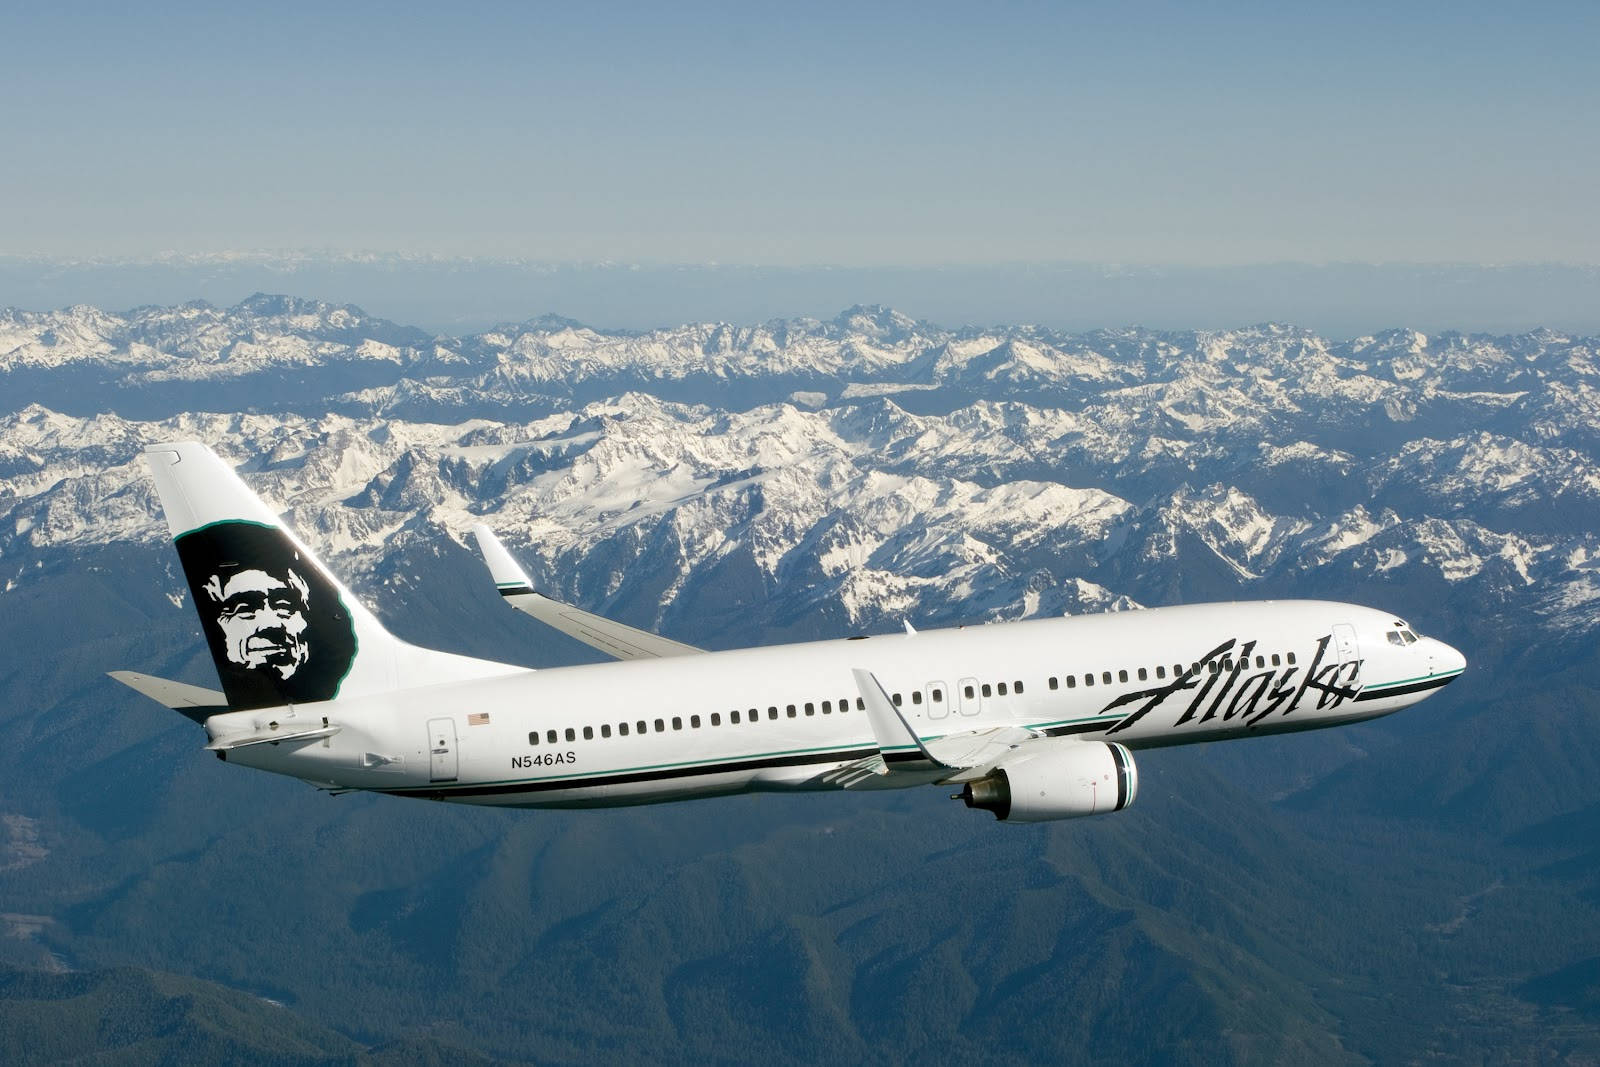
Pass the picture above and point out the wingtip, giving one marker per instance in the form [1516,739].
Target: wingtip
[508,575]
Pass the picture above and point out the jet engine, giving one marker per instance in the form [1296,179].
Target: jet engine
[1058,780]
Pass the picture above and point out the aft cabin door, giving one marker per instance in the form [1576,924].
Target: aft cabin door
[442,750]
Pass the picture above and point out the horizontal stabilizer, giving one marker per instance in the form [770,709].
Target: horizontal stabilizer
[613,638]
[192,701]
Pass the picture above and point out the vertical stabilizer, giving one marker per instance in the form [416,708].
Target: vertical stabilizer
[281,628]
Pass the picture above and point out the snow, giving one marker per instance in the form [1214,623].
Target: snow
[1090,467]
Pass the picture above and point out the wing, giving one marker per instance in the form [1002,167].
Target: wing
[612,638]
[957,757]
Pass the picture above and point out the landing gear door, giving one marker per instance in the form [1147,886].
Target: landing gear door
[442,750]
[1344,639]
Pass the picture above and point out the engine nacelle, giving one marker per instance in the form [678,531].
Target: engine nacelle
[1060,780]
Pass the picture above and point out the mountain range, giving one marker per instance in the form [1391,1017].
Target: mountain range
[1421,886]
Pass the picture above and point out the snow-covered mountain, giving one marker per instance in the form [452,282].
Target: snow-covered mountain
[862,469]
[801,479]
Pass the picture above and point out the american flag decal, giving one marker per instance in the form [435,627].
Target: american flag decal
[478,718]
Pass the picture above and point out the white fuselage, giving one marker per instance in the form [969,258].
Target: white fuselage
[784,717]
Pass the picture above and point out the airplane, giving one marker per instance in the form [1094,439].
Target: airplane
[1032,720]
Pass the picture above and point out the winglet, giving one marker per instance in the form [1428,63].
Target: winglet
[509,577]
[893,733]
[613,638]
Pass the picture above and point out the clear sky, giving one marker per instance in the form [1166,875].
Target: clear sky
[816,133]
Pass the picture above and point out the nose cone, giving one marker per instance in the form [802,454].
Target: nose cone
[1443,659]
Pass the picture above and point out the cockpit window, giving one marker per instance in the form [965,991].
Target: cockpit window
[1409,636]
[1395,638]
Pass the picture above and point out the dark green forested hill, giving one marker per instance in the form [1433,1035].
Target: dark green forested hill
[127,1015]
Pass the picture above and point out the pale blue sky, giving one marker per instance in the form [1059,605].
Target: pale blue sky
[807,134]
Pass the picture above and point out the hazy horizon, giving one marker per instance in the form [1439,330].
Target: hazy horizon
[467,294]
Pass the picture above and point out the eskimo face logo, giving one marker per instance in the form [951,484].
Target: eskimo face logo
[277,629]
[263,619]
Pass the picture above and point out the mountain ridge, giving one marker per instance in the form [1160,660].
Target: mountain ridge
[1420,886]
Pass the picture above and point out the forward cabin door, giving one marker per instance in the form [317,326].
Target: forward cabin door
[442,750]
[1344,638]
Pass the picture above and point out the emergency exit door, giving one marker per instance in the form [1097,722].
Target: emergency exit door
[442,750]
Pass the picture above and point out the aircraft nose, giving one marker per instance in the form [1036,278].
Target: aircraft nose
[1444,659]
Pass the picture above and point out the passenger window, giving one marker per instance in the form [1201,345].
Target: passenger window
[694,722]
[1016,687]
[772,712]
[572,735]
[987,690]
[661,726]
[967,689]
[588,733]
[1105,676]
[1088,679]
[716,718]
[1261,661]
[1122,676]
[1001,689]
[677,722]
[1290,656]
[1161,671]
[533,738]
[644,727]
[1053,683]
[622,728]
[861,705]
[827,707]
[916,696]
[1143,674]
[790,709]
[811,709]
[896,699]
[733,717]
[938,696]
[1275,659]
[605,729]
[550,736]
[1072,681]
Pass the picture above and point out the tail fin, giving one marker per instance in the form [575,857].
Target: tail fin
[282,629]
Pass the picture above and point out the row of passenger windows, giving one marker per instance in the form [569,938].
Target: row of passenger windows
[694,722]
[969,690]
[1215,666]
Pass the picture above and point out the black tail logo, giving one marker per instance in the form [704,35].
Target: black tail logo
[278,632]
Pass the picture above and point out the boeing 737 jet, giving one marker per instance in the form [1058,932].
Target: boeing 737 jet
[1031,720]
